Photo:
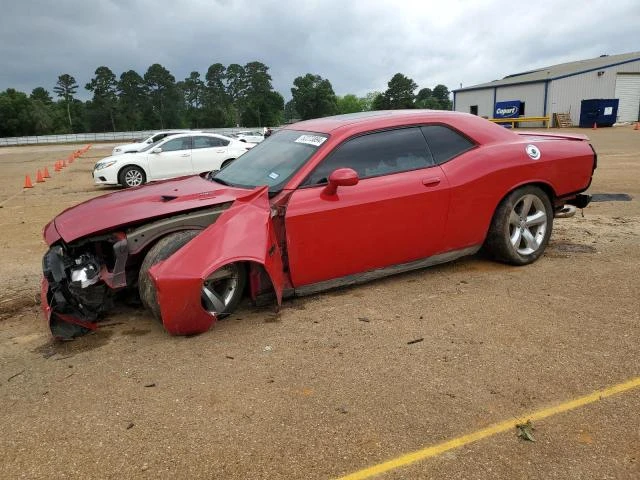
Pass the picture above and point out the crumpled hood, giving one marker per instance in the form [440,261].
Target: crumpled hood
[131,206]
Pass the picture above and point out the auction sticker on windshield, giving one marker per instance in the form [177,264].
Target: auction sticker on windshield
[315,140]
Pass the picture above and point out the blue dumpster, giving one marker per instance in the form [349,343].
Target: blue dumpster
[598,111]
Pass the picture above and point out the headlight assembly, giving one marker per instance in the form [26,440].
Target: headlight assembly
[101,165]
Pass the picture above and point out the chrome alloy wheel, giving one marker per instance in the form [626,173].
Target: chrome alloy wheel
[219,289]
[527,224]
[133,177]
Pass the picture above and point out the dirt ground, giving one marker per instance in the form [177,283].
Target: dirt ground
[334,383]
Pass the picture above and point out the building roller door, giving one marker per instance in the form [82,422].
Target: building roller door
[628,91]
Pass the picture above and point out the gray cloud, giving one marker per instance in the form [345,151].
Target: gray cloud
[357,45]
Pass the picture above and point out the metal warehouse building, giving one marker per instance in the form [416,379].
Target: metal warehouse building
[560,89]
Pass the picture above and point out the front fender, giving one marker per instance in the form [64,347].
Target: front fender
[242,233]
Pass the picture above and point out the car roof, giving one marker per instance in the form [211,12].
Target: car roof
[199,134]
[365,121]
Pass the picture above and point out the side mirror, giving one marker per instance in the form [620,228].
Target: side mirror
[149,142]
[342,177]
[157,150]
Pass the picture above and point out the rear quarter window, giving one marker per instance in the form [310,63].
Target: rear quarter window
[445,143]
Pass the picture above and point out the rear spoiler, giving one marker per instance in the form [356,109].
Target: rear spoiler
[561,136]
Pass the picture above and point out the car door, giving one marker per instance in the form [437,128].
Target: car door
[395,214]
[208,153]
[173,161]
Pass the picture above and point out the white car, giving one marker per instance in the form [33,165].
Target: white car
[136,147]
[174,156]
[252,137]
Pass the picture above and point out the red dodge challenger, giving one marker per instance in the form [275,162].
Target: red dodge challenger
[321,204]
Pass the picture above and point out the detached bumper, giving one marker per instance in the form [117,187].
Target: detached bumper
[580,201]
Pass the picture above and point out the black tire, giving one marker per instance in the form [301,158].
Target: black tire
[162,250]
[132,176]
[226,162]
[516,236]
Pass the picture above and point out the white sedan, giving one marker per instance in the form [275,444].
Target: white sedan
[175,156]
[251,137]
[138,146]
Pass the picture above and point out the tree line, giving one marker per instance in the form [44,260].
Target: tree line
[227,96]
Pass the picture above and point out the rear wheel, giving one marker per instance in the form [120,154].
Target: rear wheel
[132,176]
[521,226]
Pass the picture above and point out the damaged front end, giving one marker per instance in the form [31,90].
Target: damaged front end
[85,278]
[80,282]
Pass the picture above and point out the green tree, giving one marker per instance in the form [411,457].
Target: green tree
[104,87]
[314,97]
[441,94]
[436,99]
[15,120]
[66,88]
[350,104]
[368,99]
[235,86]
[262,105]
[193,91]
[217,104]
[380,102]
[399,93]
[163,95]
[290,112]
[133,100]
[41,95]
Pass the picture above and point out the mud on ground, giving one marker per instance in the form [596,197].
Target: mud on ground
[338,381]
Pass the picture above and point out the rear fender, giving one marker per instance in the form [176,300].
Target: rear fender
[243,233]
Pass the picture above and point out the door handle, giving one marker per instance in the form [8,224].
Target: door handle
[220,151]
[431,181]
[185,155]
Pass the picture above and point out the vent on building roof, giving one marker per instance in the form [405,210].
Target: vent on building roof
[605,55]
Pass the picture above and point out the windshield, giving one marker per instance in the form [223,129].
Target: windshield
[150,146]
[272,162]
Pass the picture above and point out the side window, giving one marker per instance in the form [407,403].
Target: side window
[375,154]
[177,144]
[208,142]
[157,137]
[202,142]
[445,143]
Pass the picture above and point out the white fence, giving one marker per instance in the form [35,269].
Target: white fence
[101,137]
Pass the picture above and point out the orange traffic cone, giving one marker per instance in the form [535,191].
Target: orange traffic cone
[64,163]
[46,173]
[637,127]
[58,166]
[595,126]
[27,182]
[39,178]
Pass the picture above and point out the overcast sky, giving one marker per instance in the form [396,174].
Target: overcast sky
[358,45]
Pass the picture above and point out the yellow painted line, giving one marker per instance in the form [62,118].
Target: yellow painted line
[458,442]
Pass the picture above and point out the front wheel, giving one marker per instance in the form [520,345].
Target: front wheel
[132,176]
[220,293]
[521,226]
